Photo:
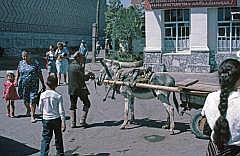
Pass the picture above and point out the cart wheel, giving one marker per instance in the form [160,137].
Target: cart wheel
[197,126]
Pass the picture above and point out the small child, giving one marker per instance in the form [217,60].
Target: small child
[51,106]
[51,61]
[10,93]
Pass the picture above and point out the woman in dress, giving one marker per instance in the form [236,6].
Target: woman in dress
[51,61]
[28,75]
[61,62]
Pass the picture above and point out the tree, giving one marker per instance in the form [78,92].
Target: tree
[124,24]
[111,16]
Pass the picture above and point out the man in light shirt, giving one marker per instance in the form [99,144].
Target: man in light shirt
[51,106]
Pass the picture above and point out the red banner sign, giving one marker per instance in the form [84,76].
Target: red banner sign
[168,4]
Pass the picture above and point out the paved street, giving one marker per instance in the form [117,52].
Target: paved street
[18,136]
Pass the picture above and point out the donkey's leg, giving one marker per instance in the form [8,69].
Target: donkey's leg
[167,125]
[126,110]
[113,93]
[170,117]
[170,112]
[131,107]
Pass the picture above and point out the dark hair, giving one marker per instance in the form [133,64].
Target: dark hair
[52,81]
[229,73]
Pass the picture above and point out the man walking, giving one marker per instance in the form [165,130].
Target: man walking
[78,88]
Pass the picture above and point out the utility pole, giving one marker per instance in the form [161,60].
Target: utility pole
[97,18]
[96,33]
[94,42]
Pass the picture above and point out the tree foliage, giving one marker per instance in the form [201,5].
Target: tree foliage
[124,24]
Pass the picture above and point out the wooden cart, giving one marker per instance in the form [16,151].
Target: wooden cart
[193,95]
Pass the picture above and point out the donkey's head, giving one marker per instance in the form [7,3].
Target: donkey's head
[108,72]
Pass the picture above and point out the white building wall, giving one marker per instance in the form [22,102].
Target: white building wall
[153,30]
[198,35]
[202,56]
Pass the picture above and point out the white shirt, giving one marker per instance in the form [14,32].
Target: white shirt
[51,105]
[210,110]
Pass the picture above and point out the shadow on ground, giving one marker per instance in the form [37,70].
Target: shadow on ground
[98,154]
[106,124]
[13,148]
[73,153]
[145,122]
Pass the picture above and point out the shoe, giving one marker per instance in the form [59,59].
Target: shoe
[33,120]
[28,114]
[64,83]
[83,125]
[73,125]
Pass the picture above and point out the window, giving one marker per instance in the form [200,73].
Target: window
[228,30]
[176,26]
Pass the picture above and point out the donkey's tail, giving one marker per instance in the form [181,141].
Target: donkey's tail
[175,102]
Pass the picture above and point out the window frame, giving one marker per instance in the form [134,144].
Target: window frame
[179,41]
[230,41]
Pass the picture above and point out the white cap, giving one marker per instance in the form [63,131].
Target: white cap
[10,72]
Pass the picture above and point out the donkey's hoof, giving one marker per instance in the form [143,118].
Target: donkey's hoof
[171,132]
[123,127]
[166,126]
[104,99]
[132,121]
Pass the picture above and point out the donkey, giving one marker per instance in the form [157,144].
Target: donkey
[111,72]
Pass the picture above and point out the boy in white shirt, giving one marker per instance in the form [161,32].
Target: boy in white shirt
[51,106]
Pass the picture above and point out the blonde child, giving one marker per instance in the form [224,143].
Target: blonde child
[10,93]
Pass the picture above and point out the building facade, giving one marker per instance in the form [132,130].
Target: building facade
[135,2]
[37,24]
[191,36]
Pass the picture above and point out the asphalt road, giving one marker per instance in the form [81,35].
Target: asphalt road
[18,136]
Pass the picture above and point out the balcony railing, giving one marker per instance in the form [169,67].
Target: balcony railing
[168,4]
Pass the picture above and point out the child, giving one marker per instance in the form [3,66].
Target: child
[10,93]
[51,61]
[51,106]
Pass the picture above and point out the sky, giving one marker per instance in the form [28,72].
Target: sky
[125,2]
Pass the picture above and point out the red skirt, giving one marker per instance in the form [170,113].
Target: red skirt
[11,94]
